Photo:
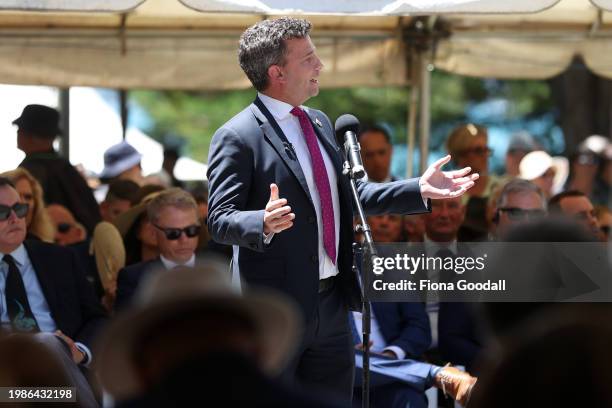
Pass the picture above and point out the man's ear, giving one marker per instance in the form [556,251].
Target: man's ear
[275,73]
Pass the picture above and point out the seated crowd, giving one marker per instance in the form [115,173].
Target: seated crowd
[126,295]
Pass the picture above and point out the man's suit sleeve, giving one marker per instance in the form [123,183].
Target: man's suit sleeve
[125,290]
[92,313]
[415,335]
[230,166]
[396,197]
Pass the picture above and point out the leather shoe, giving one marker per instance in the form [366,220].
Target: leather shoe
[456,383]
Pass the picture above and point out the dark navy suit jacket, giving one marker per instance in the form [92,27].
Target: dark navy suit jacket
[246,155]
[129,279]
[71,299]
[405,325]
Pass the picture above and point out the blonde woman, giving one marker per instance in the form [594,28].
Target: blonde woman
[38,222]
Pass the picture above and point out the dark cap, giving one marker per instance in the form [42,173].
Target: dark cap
[39,119]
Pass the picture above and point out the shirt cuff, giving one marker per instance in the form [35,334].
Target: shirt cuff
[401,354]
[84,349]
[433,371]
[267,238]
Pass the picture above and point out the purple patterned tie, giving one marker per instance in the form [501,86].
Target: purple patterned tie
[322,183]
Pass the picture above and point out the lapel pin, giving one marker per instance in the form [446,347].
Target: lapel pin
[318,122]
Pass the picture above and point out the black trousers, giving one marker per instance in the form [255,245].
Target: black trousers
[325,362]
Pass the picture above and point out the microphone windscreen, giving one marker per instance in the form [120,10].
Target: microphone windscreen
[346,123]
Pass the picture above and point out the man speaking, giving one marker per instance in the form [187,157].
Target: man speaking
[278,195]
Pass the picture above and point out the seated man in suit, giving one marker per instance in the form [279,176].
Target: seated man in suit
[43,289]
[399,331]
[174,216]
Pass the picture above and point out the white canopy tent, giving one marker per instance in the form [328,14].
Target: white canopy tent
[191,44]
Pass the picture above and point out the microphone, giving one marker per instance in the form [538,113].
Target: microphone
[347,127]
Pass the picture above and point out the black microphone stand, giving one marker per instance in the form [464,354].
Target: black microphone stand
[368,253]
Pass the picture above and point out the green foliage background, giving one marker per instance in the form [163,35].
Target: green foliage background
[195,116]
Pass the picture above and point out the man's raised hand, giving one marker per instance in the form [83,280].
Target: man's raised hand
[277,216]
[437,184]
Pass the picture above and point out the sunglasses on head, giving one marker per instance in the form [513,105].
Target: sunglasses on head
[516,214]
[20,210]
[173,234]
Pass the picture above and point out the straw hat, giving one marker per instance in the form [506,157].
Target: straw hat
[107,247]
[168,294]
[535,164]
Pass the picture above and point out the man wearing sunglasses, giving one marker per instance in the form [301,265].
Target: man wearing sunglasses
[174,216]
[519,201]
[43,291]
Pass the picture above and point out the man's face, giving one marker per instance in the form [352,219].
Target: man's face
[386,228]
[13,229]
[442,224]
[376,153]
[300,71]
[179,250]
[67,232]
[114,208]
[581,209]
[477,155]
[519,208]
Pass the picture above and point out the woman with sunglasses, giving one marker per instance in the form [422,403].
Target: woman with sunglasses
[39,225]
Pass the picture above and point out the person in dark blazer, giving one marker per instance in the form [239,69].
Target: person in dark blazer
[277,192]
[174,217]
[44,292]
[62,184]
[59,296]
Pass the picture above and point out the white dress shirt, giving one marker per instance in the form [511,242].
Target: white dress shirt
[290,125]
[168,264]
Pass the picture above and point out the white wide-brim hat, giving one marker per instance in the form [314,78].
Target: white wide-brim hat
[536,163]
[172,293]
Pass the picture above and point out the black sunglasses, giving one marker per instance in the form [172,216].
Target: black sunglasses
[516,214]
[20,209]
[64,227]
[175,233]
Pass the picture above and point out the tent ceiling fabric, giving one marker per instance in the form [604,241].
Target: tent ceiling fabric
[534,46]
[70,5]
[370,7]
[163,44]
[603,4]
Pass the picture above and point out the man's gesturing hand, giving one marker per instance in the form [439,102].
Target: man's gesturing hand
[278,216]
[437,184]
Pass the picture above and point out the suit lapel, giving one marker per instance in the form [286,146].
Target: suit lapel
[44,273]
[333,151]
[282,146]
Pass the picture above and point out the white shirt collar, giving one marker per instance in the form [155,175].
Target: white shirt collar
[431,247]
[168,264]
[20,255]
[279,109]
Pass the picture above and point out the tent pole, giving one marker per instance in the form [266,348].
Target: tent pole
[124,110]
[64,108]
[425,87]
[411,124]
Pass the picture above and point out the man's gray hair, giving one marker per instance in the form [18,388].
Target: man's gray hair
[172,197]
[263,45]
[520,186]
